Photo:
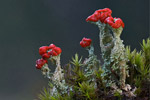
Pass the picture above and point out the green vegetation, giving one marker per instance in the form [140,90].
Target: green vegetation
[80,88]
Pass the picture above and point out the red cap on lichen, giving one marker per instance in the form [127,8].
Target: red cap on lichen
[51,46]
[119,21]
[48,51]
[40,63]
[43,50]
[114,22]
[92,18]
[85,42]
[100,14]
[109,20]
[45,56]
[55,51]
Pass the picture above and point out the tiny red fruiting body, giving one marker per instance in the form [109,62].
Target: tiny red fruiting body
[109,20]
[45,56]
[104,15]
[92,18]
[51,46]
[54,50]
[114,22]
[47,51]
[100,14]
[85,42]
[57,50]
[52,53]
[43,50]
[40,63]
[119,20]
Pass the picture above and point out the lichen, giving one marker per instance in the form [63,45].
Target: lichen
[124,75]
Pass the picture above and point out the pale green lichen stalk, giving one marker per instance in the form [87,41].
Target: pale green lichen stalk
[58,78]
[112,48]
[113,53]
[91,63]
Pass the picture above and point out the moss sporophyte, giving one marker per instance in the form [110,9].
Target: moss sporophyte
[123,75]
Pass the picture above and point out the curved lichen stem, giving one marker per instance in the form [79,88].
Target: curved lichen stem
[91,50]
[106,39]
[112,49]
[119,50]
[123,74]
[58,75]
[58,68]
[46,71]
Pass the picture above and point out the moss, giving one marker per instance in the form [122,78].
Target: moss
[124,75]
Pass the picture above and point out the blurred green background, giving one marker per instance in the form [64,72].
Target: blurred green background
[25,25]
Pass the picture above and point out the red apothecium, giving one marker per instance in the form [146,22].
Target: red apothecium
[109,20]
[40,63]
[85,42]
[100,14]
[51,46]
[114,22]
[92,18]
[45,56]
[55,51]
[48,51]
[43,50]
[118,22]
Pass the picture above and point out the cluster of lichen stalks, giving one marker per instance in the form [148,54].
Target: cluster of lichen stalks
[121,75]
